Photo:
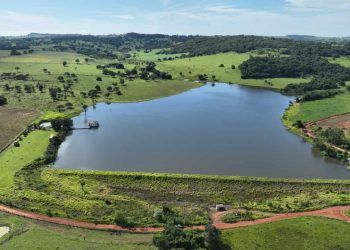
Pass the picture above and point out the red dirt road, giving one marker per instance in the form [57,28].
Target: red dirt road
[332,212]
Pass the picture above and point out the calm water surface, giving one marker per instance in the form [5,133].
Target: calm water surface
[224,130]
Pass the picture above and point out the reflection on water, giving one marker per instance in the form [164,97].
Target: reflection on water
[221,129]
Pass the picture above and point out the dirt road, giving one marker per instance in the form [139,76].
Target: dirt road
[338,212]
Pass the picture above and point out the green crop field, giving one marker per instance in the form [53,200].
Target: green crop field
[191,67]
[301,233]
[30,235]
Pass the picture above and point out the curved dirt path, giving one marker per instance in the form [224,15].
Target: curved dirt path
[310,133]
[337,212]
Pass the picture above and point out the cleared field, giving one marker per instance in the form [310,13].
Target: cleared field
[13,121]
[210,65]
[301,233]
[28,234]
[341,121]
[13,159]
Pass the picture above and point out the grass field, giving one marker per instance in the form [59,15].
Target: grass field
[191,67]
[152,55]
[301,233]
[13,159]
[33,64]
[30,235]
[316,110]
[345,61]
[13,121]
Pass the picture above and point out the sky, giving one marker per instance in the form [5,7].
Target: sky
[188,17]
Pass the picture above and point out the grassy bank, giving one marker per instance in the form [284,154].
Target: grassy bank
[301,233]
[14,159]
[105,197]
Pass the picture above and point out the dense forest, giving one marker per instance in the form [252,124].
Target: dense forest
[292,66]
[103,46]
[219,44]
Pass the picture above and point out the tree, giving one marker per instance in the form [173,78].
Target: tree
[174,237]
[334,136]
[53,93]
[99,79]
[86,60]
[85,107]
[64,63]
[221,65]
[64,124]
[98,88]
[212,238]
[77,60]
[3,100]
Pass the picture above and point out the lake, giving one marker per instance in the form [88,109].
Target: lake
[222,129]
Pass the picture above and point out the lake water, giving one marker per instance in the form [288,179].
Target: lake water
[223,130]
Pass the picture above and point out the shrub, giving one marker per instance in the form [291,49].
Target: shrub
[3,100]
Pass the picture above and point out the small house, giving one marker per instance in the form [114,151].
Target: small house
[220,207]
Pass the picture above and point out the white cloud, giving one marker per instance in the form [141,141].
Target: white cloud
[191,19]
[319,5]
[125,17]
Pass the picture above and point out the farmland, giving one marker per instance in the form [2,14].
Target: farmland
[59,79]
[13,121]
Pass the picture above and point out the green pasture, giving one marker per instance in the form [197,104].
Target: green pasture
[344,61]
[13,159]
[30,235]
[316,110]
[300,233]
[33,64]
[210,65]
[152,55]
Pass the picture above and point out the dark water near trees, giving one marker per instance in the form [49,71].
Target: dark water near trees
[224,130]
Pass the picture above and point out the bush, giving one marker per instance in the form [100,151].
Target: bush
[3,100]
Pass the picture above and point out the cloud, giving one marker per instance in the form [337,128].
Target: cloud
[165,2]
[125,17]
[16,23]
[319,5]
[192,18]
